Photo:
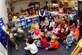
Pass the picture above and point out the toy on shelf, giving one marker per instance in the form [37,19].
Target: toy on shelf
[78,48]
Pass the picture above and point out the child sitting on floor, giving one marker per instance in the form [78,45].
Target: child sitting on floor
[62,21]
[35,25]
[69,40]
[53,42]
[46,22]
[42,25]
[30,32]
[47,34]
[62,34]
[77,32]
[78,22]
[66,29]
[59,27]
[56,19]
[31,48]
[55,29]
[36,34]
[72,27]
[43,40]
[51,24]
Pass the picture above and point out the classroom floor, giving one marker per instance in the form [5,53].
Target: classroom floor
[61,51]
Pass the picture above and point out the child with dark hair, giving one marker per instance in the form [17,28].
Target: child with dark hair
[51,24]
[72,27]
[31,48]
[68,18]
[62,34]
[66,29]
[42,25]
[47,34]
[56,19]
[15,33]
[55,29]
[62,21]
[77,32]
[78,22]
[46,22]
[10,24]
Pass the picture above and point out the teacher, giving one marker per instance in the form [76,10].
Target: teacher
[42,14]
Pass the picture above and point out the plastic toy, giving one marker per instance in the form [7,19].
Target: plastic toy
[78,48]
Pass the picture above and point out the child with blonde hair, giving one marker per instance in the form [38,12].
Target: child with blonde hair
[69,40]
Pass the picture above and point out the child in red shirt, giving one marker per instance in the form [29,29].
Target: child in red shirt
[43,40]
[42,43]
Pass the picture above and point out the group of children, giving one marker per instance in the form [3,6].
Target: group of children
[52,33]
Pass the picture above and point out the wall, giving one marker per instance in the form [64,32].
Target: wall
[70,2]
[3,10]
[19,5]
[24,4]
[79,0]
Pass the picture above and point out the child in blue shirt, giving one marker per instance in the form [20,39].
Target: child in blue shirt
[69,40]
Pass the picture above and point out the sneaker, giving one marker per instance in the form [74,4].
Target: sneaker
[67,47]
[46,48]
